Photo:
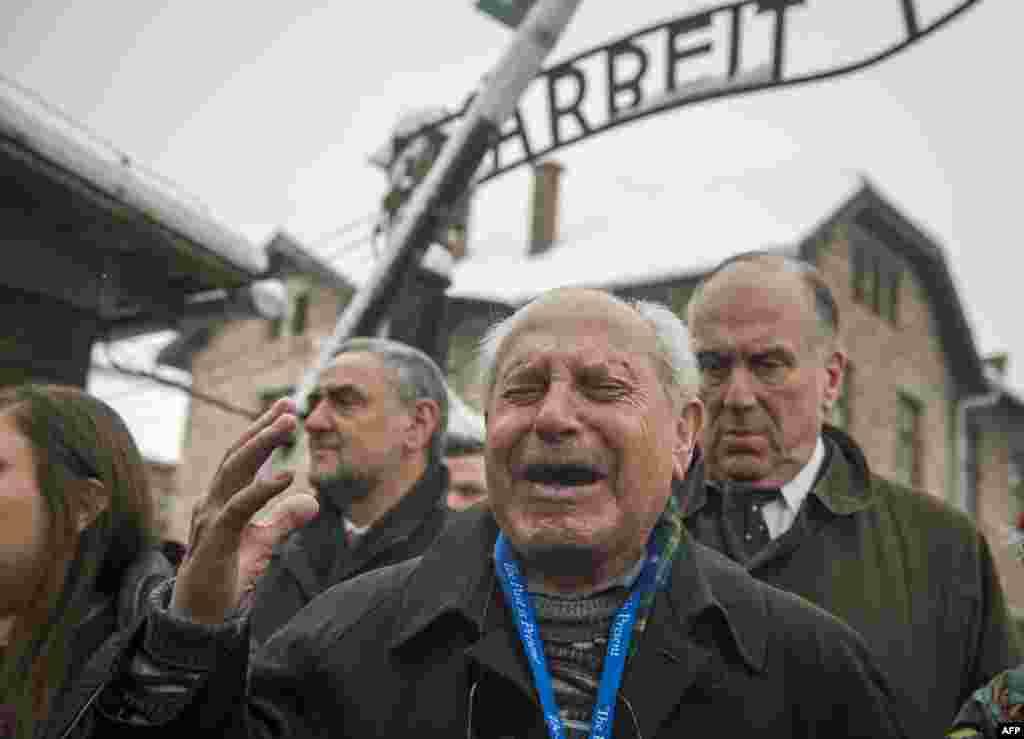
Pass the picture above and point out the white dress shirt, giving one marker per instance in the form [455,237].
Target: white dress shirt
[354,533]
[780,514]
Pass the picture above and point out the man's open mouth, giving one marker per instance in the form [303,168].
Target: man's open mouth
[563,474]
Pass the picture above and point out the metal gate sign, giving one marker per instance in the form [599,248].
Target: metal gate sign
[729,49]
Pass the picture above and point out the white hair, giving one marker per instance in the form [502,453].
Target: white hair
[675,363]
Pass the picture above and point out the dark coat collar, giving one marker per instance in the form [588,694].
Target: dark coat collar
[844,488]
[456,577]
[398,524]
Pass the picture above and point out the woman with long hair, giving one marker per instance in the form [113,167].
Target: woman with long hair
[77,552]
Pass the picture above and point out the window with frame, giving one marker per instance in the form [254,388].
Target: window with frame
[296,317]
[876,278]
[908,440]
[300,313]
[892,312]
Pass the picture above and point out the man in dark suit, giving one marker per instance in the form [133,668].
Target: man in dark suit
[793,499]
[375,424]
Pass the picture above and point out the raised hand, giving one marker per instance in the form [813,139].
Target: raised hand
[259,540]
[209,581]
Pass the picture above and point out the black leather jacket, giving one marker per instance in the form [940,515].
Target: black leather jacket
[99,641]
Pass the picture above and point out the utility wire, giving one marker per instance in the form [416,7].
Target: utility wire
[346,248]
[197,394]
[343,229]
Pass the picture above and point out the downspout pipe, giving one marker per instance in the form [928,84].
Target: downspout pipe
[964,407]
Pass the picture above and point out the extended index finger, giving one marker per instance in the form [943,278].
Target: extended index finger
[277,408]
[239,467]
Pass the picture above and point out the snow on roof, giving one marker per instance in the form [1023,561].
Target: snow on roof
[44,130]
[682,231]
[612,240]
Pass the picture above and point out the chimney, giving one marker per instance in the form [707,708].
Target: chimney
[544,212]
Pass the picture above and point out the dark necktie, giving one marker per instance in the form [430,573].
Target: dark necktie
[745,510]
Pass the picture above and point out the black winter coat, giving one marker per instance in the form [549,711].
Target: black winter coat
[427,649]
[294,577]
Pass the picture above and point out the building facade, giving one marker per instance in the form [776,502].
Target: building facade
[928,410]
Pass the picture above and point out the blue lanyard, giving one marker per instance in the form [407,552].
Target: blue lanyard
[529,633]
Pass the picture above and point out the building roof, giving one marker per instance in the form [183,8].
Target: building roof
[81,204]
[285,256]
[682,231]
[870,210]
[666,240]
[756,211]
[42,131]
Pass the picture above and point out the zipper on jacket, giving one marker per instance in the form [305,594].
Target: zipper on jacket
[81,712]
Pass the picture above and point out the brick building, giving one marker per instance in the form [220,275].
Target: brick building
[250,363]
[163,485]
[927,408]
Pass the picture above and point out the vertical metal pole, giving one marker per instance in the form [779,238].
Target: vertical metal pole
[449,178]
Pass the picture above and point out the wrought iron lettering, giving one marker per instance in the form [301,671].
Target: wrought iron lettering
[910,18]
[632,85]
[624,67]
[674,54]
[556,112]
[779,7]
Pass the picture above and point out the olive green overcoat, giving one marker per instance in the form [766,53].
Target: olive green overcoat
[912,574]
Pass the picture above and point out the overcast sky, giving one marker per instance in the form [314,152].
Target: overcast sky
[267,112]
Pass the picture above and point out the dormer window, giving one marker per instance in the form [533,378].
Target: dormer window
[296,317]
[876,275]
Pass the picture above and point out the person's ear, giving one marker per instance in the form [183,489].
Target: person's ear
[91,498]
[424,417]
[835,370]
[688,427]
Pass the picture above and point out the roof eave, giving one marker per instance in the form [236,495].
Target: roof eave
[64,148]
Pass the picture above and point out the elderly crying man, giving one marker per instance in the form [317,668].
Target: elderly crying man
[574,604]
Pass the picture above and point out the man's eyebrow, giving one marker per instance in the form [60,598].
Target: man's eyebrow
[769,350]
[340,389]
[526,366]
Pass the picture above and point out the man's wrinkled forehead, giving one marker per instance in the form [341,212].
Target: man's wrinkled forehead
[600,328]
[354,368]
[764,285]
